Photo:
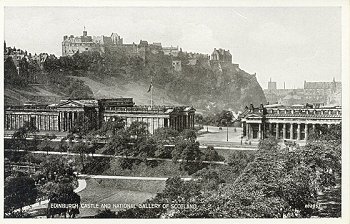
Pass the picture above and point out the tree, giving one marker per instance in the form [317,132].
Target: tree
[83,149]
[210,154]
[270,143]
[198,119]
[179,191]
[82,126]
[189,134]
[147,149]
[46,144]
[118,144]
[56,169]
[209,179]
[188,152]
[138,130]
[63,194]
[106,213]
[19,191]
[20,136]
[238,160]
[165,135]
[111,127]
[63,146]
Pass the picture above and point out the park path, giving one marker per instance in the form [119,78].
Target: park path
[81,186]
[329,201]
[112,156]
[127,177]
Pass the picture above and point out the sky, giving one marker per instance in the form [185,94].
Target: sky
[286,44]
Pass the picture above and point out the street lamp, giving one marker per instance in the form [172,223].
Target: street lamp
[226,131]
[227,114]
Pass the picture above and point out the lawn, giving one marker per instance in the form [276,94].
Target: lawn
[227,152]
[117,192]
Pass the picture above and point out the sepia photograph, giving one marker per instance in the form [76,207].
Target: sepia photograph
[177,111]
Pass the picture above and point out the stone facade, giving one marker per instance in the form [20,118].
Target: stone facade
[72,44]
[171,51]
[176,65]
[221,55]
[61,117]
[321,93]
[286,123]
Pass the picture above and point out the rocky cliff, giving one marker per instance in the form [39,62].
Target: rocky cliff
[207,85]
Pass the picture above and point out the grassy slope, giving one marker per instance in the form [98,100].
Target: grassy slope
[110,87]
[116,87]
[40,93]
[117,192]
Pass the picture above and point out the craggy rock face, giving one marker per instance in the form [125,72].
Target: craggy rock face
[205,85]
[221,86]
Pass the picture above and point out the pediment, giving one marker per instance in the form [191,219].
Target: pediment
[253,116]
[70,104]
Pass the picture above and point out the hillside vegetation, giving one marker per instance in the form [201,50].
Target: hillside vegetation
[206,86]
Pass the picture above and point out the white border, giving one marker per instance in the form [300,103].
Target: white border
[206,3]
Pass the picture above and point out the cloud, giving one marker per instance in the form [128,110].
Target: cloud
[275,34]
[197,37]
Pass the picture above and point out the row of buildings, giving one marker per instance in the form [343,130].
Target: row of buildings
[317,93]
[290,123]
[63,116]
[114,43]
[73,44]
[19,56]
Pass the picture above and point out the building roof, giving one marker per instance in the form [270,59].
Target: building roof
[305,115]
[77,103]
[320,85]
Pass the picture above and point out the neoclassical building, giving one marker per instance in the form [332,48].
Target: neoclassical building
[61,117]
[286,123]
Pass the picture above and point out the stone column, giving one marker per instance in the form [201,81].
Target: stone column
[247,130]
[59,121]
[50,123]
[277,130]
[68,121]
[306,132]
[298,132]
[175,123]
[259,133]
[284,131]
[65,121]
[291,131]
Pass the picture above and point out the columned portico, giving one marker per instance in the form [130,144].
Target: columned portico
[306,131]
[287,123]
[291,131]
[259,133]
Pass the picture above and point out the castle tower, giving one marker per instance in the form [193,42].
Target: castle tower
[84,32]
[271,85]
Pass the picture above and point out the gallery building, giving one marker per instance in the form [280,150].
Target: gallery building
[61,117]
[286,122]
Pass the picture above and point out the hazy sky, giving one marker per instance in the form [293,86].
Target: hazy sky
[286,44]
